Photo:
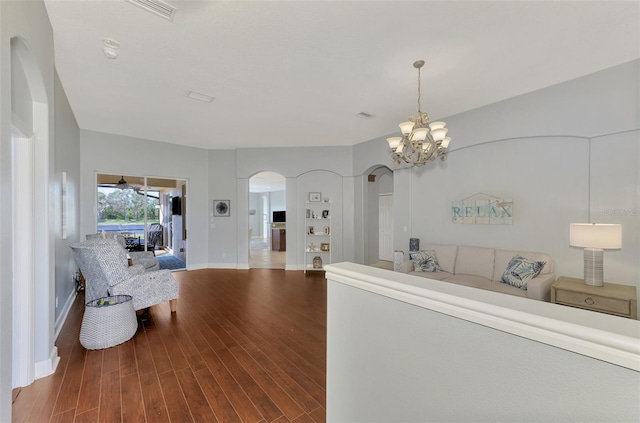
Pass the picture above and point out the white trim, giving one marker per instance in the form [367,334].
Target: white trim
[48,367]
[608,338]
[63,314]
[23,343]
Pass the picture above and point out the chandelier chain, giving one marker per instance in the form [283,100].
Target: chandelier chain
[419,94]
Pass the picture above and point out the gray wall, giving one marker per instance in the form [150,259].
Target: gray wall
[67,159]
[389,361]
[116,154]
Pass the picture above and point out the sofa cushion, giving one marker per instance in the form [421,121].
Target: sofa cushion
[445,254]
[503,257]
[476,261]
[424,261]
[520,271]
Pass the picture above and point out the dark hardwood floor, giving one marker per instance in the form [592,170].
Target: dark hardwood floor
[244,346]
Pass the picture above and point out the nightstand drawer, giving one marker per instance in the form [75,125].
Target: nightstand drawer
[594,302]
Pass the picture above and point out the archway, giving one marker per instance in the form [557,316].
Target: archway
[267,221]
[33,353]
[378,210]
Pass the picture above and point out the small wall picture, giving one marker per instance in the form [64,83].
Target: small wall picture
[221,208]
[324,246]
[315,197]
[327,230]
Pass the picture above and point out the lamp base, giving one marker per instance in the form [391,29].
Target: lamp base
[593,266]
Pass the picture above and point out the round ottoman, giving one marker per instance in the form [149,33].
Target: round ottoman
[107,322]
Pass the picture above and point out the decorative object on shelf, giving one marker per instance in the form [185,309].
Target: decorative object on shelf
[310,230]
[327,230]
[595,238]
[398,259]
[414,244]
[421,141]
[325,214]
[221,208]
[311,247]
[308,213]
[326,200]
[482,209]
[317,262]
[324,246]
[314,197]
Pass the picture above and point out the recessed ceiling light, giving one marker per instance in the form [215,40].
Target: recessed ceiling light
[200,96]
[111,43]
[365,115]
[110,53]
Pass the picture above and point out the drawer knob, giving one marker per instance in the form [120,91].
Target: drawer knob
[589,301]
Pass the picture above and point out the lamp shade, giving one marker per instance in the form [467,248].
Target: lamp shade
[406,127]
[595,235]
[394,142]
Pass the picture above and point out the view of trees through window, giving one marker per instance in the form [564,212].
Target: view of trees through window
[123,209]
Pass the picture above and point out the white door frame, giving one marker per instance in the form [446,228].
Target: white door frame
[385,226]
[23,335]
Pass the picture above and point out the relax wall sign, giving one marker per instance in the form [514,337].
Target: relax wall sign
[482,209]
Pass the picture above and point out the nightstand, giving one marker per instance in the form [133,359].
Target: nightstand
[610,298]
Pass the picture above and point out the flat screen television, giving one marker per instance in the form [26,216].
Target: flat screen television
[279,216]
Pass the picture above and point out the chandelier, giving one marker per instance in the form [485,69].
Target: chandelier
[421,141]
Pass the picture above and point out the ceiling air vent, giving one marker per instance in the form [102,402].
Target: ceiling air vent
[365,115]
[156,6]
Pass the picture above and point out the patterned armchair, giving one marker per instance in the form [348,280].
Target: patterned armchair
[103,263]
[146,258]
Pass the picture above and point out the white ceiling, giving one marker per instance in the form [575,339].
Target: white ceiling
[297,73]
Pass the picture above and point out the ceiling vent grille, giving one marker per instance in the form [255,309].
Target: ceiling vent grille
[365,115]
[156,6]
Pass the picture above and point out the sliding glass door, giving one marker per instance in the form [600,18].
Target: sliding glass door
[127,206]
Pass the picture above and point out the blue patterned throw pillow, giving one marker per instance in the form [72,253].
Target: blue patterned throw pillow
[520,271]
[424,261]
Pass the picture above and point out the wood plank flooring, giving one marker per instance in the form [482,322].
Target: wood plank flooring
[244,346]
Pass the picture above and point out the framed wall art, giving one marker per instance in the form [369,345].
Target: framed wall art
[221,208]
[315,197]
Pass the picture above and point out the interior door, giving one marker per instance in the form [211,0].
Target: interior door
[385,227]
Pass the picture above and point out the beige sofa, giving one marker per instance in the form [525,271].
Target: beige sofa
[481,267]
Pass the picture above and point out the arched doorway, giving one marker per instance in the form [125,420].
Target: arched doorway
[267,221]
[379,217]
[33,352]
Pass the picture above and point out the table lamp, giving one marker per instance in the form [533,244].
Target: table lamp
[595,238]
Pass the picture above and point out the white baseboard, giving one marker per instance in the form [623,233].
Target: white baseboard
[64,313]
[225,266]
[48,366]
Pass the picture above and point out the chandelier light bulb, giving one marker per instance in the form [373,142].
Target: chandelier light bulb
[439,134]
[420,134]
[394,142]
[406,128]
[445,142]
[437,125]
